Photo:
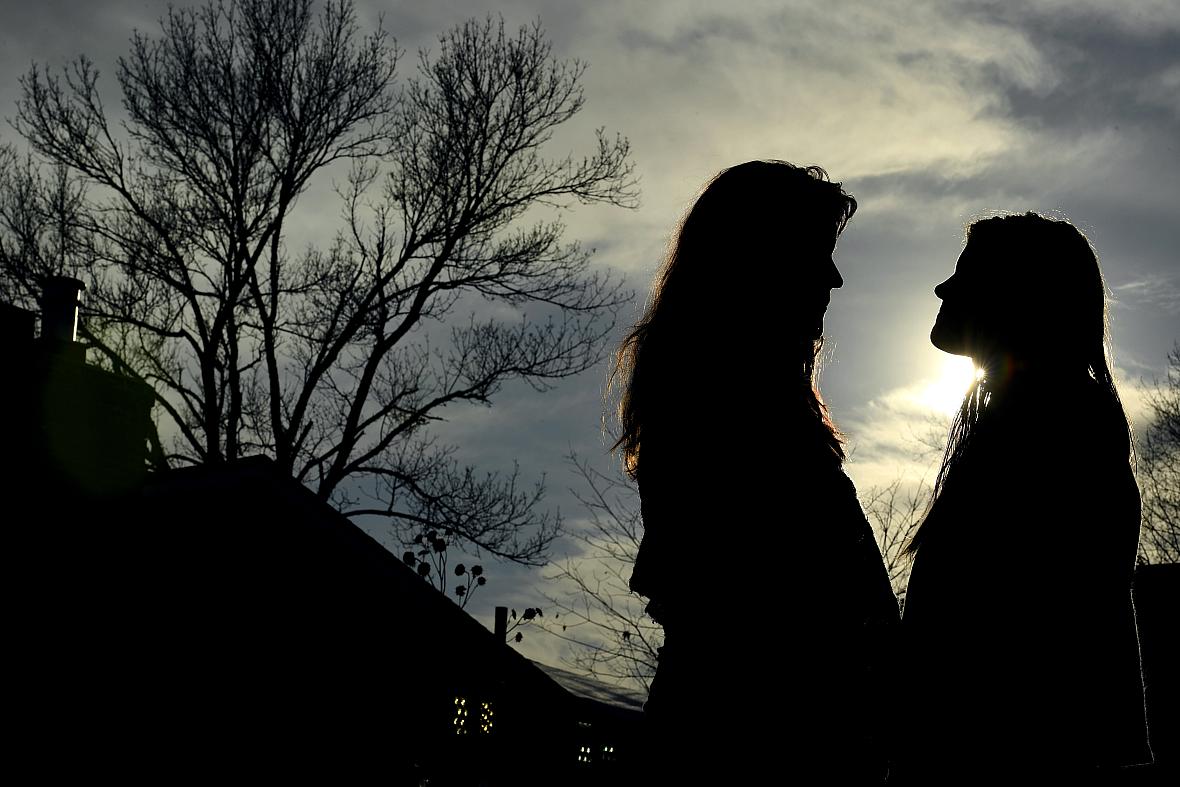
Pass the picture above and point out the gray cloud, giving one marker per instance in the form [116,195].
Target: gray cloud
[1157,290]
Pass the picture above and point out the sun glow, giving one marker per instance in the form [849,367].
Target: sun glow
[944,393]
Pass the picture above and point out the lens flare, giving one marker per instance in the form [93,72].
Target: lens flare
[945,392]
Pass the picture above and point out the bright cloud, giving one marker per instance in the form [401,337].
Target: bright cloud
[899,434]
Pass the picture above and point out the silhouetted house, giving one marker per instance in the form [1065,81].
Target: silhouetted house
[317,630]
[221,621]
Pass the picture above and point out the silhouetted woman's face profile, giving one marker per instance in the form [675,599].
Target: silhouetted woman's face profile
[817,275]
[1026,288]
[960,327]
[740,298]
[753,260]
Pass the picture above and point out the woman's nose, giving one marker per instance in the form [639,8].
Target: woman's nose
[835,280]
[942,290]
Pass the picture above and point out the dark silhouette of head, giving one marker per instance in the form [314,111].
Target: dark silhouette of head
[742,292]
[1026,302]
[1027,289]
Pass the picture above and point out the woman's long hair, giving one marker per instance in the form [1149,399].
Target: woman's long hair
[730,259]
[1048,306]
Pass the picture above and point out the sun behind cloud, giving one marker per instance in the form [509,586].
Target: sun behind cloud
[944,392]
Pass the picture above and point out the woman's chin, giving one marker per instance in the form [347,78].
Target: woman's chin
[948,341]
[806,331]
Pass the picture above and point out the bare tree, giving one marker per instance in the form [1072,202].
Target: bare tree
[604,622]
[333,359]
[895,511]
[1159,469]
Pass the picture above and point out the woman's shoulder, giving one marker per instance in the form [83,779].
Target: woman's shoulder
[829,511]
[832,483]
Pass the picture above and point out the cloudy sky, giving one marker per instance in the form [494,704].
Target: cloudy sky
[931,113]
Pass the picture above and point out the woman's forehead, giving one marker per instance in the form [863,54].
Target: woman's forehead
[973,255]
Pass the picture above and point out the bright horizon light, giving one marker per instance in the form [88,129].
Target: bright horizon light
[944,393]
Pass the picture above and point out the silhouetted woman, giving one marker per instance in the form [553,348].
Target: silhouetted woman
[1021,632]
[756,556]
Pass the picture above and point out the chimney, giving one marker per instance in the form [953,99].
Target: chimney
[59,309]
[77,433]
[501,624]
